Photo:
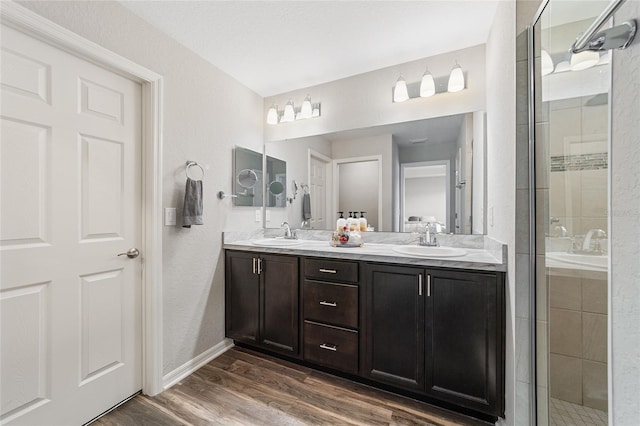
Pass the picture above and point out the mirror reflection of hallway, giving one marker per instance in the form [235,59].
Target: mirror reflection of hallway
[354,191]
[425,193]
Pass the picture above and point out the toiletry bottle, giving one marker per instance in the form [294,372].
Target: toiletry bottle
[363,222]
[352,223]
[341,222]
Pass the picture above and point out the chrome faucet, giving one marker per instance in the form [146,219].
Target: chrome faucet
[429,238]
[288,233]
[596,234]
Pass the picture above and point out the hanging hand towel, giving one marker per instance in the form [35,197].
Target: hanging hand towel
[306,206]
[192,209]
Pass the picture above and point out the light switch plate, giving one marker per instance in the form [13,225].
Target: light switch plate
[268,215]
[169,216]
[258,215]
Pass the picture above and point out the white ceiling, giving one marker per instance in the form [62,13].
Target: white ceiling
[274,47]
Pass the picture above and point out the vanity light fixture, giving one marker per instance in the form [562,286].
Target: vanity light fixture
[290,113]
[563,66]
[456,79]
[400,92]
[305,110]
[272,115]
[427,85]
[583,60]
[546,62]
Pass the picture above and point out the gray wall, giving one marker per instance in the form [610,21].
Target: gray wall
[501,176]
[200,126]
[625,229]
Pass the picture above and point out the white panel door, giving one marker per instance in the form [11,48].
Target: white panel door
[71,201]
[318,191]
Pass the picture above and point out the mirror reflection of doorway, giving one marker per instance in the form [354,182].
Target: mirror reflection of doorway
[424,194]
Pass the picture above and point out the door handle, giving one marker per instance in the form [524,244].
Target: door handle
[132,253]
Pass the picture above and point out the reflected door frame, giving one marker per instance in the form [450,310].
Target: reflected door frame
[336,181]
[328,208]
[404,166]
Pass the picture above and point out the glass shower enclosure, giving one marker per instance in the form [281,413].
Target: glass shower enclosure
[570,148]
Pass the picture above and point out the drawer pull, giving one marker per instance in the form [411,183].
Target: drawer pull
[329,347]
[325,303]
[328,271]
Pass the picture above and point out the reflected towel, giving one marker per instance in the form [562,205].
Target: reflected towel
[192,208]
[306,207]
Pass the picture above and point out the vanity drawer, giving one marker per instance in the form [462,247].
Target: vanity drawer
[330,346]
[331,270]
[332,303]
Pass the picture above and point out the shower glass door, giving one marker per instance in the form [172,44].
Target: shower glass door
[572,181]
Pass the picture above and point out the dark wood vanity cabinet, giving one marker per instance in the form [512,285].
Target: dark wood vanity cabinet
[437,332]
[465,339]
[330,294]
[434,332]
[394,326]
[262,300]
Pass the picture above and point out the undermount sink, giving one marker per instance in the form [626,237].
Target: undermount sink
[599,262]
[425,251]
[277,242]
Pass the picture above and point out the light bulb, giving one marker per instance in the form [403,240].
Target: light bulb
[583,60]
[547,62]
[289,113]
[306,110]
[272,115]
[427,85]
[400,92]
[456,79]
[563,66]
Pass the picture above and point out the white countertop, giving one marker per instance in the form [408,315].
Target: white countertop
[474,258]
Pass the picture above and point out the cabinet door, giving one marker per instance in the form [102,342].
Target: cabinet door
[242,297]
[463,339]
[394,326]
[279,289]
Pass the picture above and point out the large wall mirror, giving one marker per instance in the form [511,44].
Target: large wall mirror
[400,175]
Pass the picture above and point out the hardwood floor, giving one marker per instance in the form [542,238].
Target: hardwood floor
[242,387]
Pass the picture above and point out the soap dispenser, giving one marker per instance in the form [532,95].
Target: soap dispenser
[352,223]
[363,222]
[341,223]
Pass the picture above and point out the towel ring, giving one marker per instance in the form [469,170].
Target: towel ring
[191,164]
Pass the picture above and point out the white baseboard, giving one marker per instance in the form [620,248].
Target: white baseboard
[190,366]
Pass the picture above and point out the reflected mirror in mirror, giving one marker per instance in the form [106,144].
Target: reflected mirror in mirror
[384,171]
[247,178]
[247,172]
[276,188]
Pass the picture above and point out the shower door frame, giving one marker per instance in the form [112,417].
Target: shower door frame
[533,400]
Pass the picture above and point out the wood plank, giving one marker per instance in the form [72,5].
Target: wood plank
[243,387]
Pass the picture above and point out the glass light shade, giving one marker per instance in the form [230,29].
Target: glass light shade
[289,113]
[547,62]
[605,58]
[272,115]
[427,85]
[400,92]
[306,110]
[583,60]
[316,111]
[456,79]
[563,66]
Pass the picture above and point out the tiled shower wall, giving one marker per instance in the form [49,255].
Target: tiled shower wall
[578,337]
